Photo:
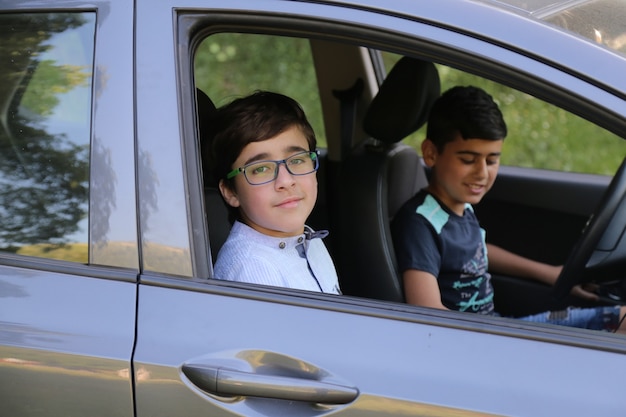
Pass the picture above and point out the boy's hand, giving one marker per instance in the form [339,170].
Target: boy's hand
[585,293]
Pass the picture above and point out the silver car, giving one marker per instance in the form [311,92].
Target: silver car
[109,223]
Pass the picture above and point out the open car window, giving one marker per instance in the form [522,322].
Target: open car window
[231,65]
[538,130]
[547,161]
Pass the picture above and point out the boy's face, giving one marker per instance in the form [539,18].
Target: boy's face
[464,171]
[278,208]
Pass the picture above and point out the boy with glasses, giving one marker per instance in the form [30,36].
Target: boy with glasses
[263,153]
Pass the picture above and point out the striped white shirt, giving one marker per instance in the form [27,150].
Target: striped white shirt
[291,262]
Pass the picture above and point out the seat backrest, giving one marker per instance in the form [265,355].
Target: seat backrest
[377,177]
[216,211]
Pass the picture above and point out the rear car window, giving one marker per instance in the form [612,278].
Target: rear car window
[46,66]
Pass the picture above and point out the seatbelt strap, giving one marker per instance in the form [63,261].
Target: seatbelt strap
[348,100]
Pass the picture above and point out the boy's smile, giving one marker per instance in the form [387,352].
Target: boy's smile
[290,202]
[464,171]
[280,207]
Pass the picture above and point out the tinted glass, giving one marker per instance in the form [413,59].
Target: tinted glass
[45,107]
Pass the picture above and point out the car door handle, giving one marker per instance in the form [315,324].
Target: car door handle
[230,382]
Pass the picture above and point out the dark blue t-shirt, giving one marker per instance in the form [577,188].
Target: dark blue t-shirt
[428,237]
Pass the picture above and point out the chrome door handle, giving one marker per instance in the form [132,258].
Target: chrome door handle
[229,382]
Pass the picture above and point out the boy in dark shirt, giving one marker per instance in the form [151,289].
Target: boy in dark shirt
[440,246]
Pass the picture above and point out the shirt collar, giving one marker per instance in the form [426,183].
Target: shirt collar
[279,242]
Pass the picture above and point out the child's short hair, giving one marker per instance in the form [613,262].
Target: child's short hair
[254,118]
[468,111]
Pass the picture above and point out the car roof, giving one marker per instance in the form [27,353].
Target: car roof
[600,21]
[583,38]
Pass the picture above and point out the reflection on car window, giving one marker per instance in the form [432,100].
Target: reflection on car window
[538,131]
[45,107]
[601,21]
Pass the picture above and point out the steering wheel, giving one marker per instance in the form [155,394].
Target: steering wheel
[596,232]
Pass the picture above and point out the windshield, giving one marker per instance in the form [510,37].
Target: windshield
[601,21]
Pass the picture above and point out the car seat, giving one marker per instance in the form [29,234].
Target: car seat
[377,177]
[216,211]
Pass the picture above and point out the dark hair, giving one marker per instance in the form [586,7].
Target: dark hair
[255,118]
[468,111]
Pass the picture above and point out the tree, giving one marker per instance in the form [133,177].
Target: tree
[44,177]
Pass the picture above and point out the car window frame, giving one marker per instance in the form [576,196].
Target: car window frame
[450,48]
[505,71]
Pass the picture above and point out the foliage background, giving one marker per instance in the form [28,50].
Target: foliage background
[540,135]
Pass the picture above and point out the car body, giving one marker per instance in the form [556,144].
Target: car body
[108,303]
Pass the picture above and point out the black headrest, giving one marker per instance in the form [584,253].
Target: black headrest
[404,100]
[206,111]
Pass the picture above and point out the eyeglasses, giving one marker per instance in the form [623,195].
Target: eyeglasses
[262,172]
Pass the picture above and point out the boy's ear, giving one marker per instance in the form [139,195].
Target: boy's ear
[230,196]
[429,152]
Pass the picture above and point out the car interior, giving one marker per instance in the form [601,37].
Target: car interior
[367,171]
[377,176]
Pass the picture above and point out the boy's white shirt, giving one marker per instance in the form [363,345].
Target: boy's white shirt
[253,257]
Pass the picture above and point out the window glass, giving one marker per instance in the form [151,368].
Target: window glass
[231,65]
[45,107]
[538,131]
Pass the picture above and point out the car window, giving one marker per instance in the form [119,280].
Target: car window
[541,136]
[230,65]
[538,130]
[233,65]
[45,105]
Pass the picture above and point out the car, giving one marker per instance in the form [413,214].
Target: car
[110,223]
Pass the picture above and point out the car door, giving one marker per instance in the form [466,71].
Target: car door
[210,347]
[68,271]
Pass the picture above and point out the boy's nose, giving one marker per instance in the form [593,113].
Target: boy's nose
[284,178]
[481,168]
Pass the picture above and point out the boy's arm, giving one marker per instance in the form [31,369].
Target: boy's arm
[505,262]
[421,288]
[508,263]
